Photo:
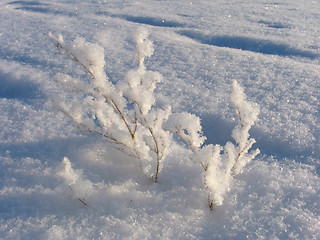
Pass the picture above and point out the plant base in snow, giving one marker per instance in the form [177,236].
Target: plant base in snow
[76,186]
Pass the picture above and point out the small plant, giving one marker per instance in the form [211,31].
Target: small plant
[221,164]
[78,187]
[124,114]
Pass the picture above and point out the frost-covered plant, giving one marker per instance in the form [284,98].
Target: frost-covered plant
[122,113]
[78,187]
[221,164]
[125,115]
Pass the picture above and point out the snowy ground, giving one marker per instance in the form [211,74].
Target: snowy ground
[271,48]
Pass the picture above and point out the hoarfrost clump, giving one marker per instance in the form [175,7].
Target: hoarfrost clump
[125,115]
[188,127]
[78,187]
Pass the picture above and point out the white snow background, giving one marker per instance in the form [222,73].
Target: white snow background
[272,48]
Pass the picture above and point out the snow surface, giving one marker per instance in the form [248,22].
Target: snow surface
[272,48]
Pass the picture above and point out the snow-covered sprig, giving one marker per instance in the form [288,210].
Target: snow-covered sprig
[139,90]
[144,46]
[221,164]
[247,113]
[76,185]
[103,108]
[188,127]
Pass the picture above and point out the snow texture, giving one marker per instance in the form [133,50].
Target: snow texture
[271,48]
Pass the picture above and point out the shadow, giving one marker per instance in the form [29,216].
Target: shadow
[29,3]
[88,152]
[276,25]
[152,21]
[37,7]
[216,129]
[21,89]
[34,9]
[219,131]
[249,44]
[30,170]
[42,10]
[25,59]
[46,150]
[275,146]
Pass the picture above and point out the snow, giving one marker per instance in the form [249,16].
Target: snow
[271,48]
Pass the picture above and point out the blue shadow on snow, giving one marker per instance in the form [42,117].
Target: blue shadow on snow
[21,89]
[249,44]
[152,21]
[30,3]
[276,25]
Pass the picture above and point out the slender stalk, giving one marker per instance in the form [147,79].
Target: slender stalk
[159,157]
